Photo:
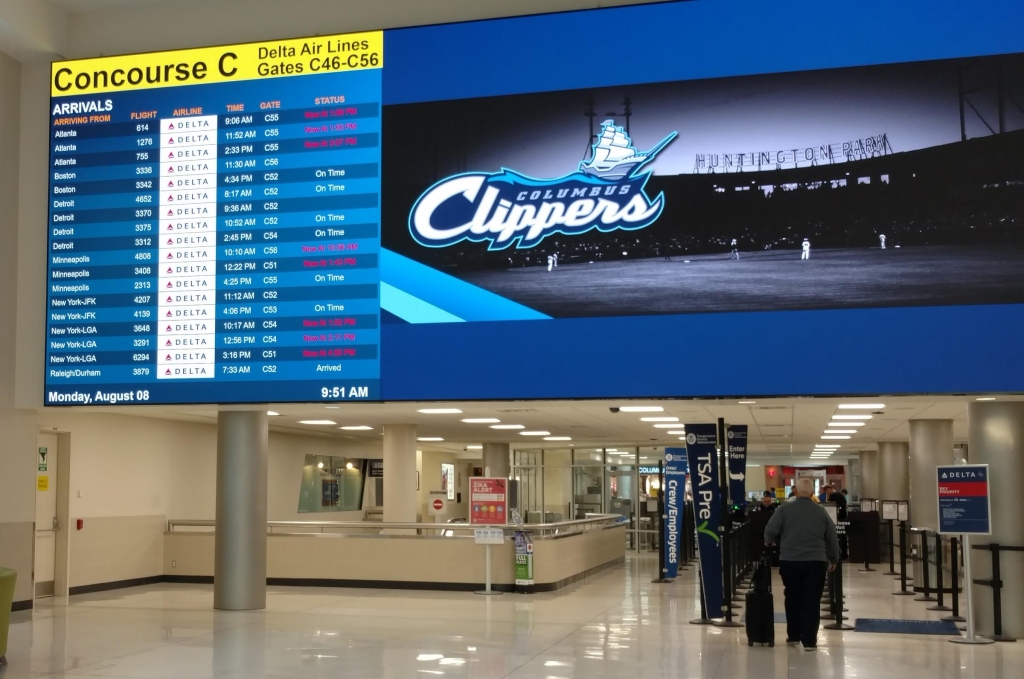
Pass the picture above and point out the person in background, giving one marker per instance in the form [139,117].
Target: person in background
[842,511]
[809,549]
[767,503]
[826,490]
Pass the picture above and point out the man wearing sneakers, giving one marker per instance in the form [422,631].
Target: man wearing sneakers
[809,550]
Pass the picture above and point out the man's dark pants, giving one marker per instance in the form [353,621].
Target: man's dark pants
[805,583]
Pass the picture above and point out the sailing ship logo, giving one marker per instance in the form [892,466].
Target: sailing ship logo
[501,208]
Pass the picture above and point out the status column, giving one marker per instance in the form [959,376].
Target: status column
[996,438]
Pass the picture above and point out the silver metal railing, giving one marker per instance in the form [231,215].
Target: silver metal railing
[391,529]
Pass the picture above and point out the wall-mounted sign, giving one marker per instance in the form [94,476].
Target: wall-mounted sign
[437,503]
[43,483]
[376,469]
[448,479]
[42,459]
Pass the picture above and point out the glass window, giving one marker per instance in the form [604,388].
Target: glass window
[558,458]
[331,484]
[588,456]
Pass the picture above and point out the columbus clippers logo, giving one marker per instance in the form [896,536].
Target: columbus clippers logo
[502,208]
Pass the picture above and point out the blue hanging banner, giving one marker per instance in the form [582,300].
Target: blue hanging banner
[675,501]
[701,446]
[736,440]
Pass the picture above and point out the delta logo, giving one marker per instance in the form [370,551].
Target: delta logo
[607,193]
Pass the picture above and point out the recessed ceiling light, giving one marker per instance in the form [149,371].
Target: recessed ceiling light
[851,417]
[840,431]
[681,431]
[682,438]
[356,427]
[440,411]
[535,433]
[642,409]
[319,465]
[659,419]
[323,422]
[558,438]
[861,406]
[332,407]
[507,426]
[823,446]
[747,403]
[667,426]
[349,465]
[985,398]
[834,438]
[271,413]
[481,420]
[426,439]
[474,447]
[845,424]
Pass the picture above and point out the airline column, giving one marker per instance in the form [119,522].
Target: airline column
[187,260]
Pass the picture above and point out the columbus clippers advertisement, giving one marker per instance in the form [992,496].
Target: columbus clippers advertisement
[675,501]
[736,440]
[701,445]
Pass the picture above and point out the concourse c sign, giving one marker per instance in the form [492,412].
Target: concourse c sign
[965,506]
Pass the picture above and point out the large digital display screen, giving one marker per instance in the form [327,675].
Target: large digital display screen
[416,215]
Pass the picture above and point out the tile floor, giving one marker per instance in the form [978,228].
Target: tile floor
[616,624]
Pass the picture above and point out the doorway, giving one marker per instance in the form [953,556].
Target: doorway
[50,560]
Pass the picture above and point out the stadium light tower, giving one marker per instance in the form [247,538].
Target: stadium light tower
[627,112]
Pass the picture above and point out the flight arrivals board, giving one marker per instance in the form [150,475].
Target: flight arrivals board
[214,225]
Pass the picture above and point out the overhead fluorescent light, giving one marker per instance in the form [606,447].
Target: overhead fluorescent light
[753,465]
[271,413]
[667,426]
[840,431]
[641,409]
[675,433]
[332,407]
[507,426]
[474,447]
[558,438]
[845,424]
[861,406]
[319,422]
[481,420]
[985,398]
[682,438]
[440,411]
[747,403]
[535,433]
[659,419]
[427,439]
[834,438]
[356,427]
[851,417]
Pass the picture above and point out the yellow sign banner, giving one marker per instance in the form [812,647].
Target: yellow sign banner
[42,483]
[249,61]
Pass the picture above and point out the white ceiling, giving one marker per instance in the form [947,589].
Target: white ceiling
[781,430]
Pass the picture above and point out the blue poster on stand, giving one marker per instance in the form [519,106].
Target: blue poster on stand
[964,501]
[675,501]
[736,440]
[701,446]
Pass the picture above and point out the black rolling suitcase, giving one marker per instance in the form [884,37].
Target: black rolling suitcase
[760,612]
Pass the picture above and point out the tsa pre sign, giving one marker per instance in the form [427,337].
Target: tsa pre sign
[675,494]
[701,447]
[965,506]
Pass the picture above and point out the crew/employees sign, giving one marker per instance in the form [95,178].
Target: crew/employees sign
[964,501]
[488,500]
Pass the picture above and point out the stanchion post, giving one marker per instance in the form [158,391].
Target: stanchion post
[939,586]
[954,545]
[726,530]
[926,591]
[837,600]
[971,637]
[703,619]
[892,548]
[997,597]
[867,566]
[903,562]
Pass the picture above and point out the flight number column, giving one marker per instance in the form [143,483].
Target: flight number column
[186,340]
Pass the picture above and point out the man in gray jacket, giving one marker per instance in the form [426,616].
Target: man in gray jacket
[809,549]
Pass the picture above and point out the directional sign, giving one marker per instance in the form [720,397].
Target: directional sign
[736,438]
[965,507]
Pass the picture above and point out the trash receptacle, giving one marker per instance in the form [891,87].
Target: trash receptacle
[7,580]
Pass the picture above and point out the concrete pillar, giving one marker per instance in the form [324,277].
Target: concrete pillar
[931,445]
[496,460]
[401,497]
[869,474]
[996,438]
[240,551]
[894,471]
